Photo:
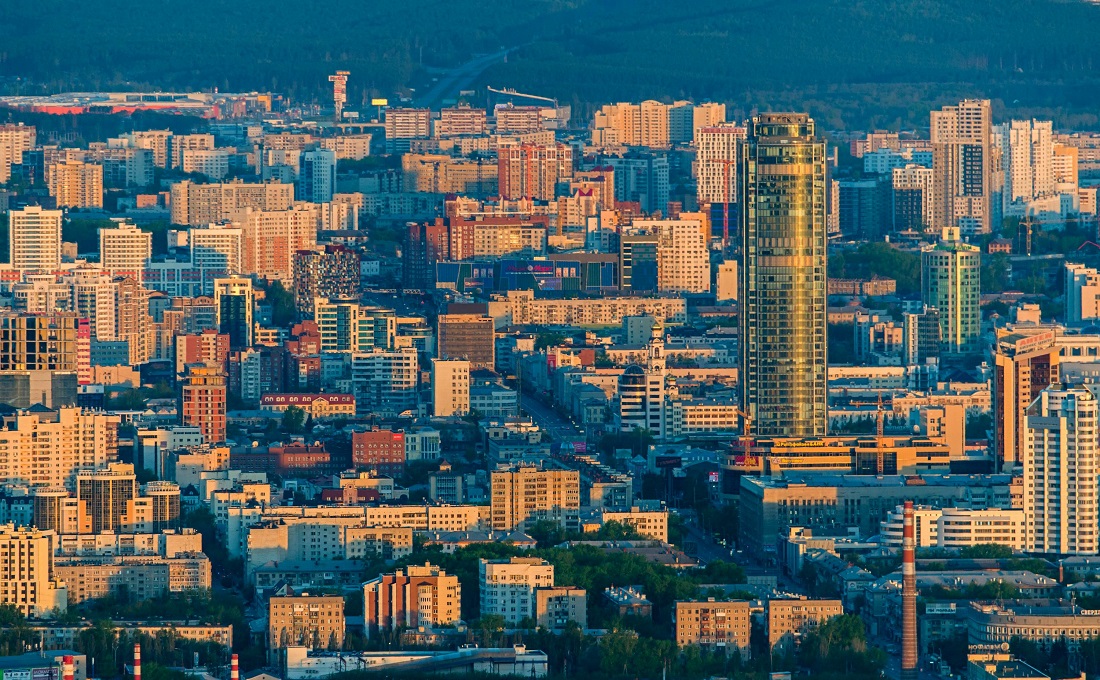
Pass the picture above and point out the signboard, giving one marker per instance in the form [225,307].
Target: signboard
[580,447]
[380,102]
[17,674]
[715,477]
[939,608]
[668,461]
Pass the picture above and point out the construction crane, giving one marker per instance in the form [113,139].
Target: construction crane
[726,204]
[880,428]
[746,431]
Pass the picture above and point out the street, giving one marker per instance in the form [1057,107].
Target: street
[550,421]
[457,79]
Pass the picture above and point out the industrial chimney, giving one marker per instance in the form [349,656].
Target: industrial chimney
[234,672]
[908,595]
[67,667]
[137,661]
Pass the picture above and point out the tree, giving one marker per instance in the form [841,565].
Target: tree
[294,420]
[986,551]
[840,645]
[283,310]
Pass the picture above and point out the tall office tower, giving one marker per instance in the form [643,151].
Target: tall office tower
[783,286]
[450,387]
[75,184]
[14,140]
[26,570]
[233,300]
[156,141]
[202,400]
[460,121]
[38,341]
[467,336]
[913,198]
[1027,158]
[533,170]
[106,493]
[864,208]
[1061,467]
[641,393]
[124,250]
[962,158]
[950,282]
[638,262]
[317,176]
[34,239]
[921,337]
[328,272]
[41,293]
[180,144]
[716,171]
[1024,366]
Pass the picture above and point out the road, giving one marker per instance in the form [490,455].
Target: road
[550,421]
[452,82]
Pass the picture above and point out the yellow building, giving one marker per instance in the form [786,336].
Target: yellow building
[75,184]
[525,495]
[26,571]
[790,620]
[312,621]
[719,625]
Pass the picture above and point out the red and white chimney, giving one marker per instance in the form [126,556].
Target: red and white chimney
[137,661]
[908,595]
[67,667]
[234,672]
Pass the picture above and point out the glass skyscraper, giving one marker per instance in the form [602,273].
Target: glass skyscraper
[783,316]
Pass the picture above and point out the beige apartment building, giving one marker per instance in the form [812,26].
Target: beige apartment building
[34,239]
[75,184]
[557,606]
[49,449]
[312,621]
[137,577]
[14,140]
[724,626]
[26,571]
[789,621]
[203,204]
[507,587]
[524,495]
[523,308]
[649,523]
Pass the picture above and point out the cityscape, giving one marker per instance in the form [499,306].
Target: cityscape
[355,378]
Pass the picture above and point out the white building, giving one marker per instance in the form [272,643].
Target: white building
[1027,157]
[124,250]
[38,451]
[958,527]
[508,586]
[716,163]
[26,572]
[34,239]
[1061,468]
[317,176]
[683,258]
[450,387]
[1082,294]
[214,163]
[385,382]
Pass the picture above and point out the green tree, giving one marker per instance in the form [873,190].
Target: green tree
[283,311]
[294,420]
[840,645]
[986,551]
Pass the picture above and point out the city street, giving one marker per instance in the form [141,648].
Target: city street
[550,421]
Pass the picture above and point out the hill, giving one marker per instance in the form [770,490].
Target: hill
[853,63]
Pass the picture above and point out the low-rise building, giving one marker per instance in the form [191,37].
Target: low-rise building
[790,620]
[314,622]
[557,606]
[137,577]
[721,626]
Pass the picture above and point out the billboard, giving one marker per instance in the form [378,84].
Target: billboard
[380,102]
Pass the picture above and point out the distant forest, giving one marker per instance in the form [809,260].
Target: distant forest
[852,63]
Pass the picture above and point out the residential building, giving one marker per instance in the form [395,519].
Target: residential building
[558,605]
[317,176]
[459,121]
[34,239]
[783,306]
[27,581]
[913,198]
[508,587]
[49,448]
[524,495]
[533,170]
[204,204]
[950,282]
[272,239]
[382,451]
[75,184]
[450,387]
[15,138]
[137,577]
[313,621]
[1024,366]
[790,621]
[406,124]
[962,161]
[720,626]
[331,271]
[385,381]
[955,528]
[233,302]
[124,250]
[413,597]
[1061,468]
[106,493]
[716,164]
[203,400]
[1082,288]
[467,336]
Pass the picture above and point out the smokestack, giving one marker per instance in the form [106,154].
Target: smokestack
[908,595]
[67,671]
[137,661]
[234,672]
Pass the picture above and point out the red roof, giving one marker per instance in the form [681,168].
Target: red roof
[295,399]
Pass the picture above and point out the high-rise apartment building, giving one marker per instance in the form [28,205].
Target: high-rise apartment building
[1082,294]
[75,184]
[217,251]
[962,158]
[1027,157]
[329,272]
[233,301]
[950,282]
[156,141]
[49,448]
[401,125]
[518,120]
[212,163]
[42,294]
[203,400]
[450,387]
[26,571]
[124,250]
[93,293]
[790,621]
[204,204]
[1024,366]
[385,381]
[467,336]
[783,285]
[507,587]
[34,239]
[524,495]
[38,341]
[347,326]
[683,256]
[1061,468]
[413,597]
[272,238]
[460,121]
[533,170]
[106,493]
[716,163]
[179,145]
[14,140]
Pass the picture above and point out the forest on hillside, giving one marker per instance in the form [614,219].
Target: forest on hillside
[853,63]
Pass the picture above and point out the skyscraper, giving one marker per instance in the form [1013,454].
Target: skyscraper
[317,177]
[950,282]
[962,162]
[233,306]
[783,321]
[34,239]
[1025,365]
[1060,472]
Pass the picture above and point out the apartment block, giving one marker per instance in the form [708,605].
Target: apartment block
[203,204]
[136,577]
[49,448]
[75,184]
[790,621]
[720,626]
[34,239]
[558,605]
[524,495]
[508,587]
[316,622]
[27,581]
[413,597]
